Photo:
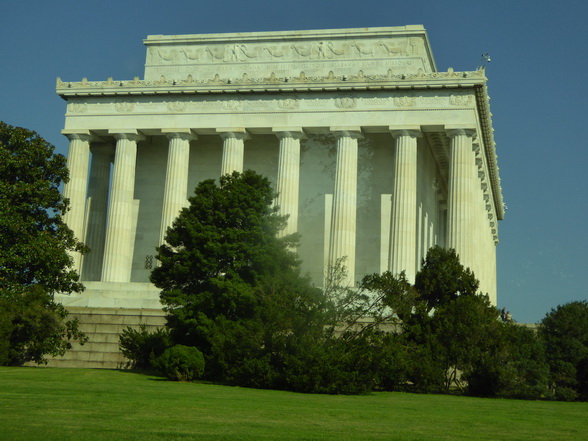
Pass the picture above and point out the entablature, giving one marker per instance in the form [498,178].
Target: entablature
[246,84]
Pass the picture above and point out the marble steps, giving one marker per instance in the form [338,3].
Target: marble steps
[103,326]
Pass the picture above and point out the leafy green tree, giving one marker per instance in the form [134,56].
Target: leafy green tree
[565,333]
[34,247]
[33,326]
[443,278]
[517,368]
[441,324]
[468,331]
[230,286]
[410,354]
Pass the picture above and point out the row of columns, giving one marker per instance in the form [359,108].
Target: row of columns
[116,236]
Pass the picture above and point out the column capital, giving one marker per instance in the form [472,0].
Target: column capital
[353,132]
[457,131]
[412,131]
[233,132]
[183,134]
[82,135]
[130,134]
[288,132]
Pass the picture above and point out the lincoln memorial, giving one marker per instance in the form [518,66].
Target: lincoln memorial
[375,155]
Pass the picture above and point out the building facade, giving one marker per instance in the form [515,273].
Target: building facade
[375,155]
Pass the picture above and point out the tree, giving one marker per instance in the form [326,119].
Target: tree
[515,368]
[469,334]
[564,331]
[442,325]
[443,278]
[34,247]
[229,285]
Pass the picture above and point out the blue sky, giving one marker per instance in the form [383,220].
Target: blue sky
[537,82]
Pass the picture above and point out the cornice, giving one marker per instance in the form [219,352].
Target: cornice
[483,100]
[246,84]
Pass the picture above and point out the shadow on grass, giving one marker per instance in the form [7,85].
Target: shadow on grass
[144,372]
[158,376]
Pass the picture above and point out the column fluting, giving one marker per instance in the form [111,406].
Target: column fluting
[75,190]
[119,246]
[461,185]
[175,195]
[233,150]
[289,178]
[344,214]
[403,219]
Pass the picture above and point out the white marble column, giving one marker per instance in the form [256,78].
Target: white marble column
[403,220]
[75,190]
[118,249]
[344,214]
[175,196]
[461,186]
[233,149]
[289,177]
[102,155]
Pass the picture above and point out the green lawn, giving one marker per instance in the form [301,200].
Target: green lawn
[80,404]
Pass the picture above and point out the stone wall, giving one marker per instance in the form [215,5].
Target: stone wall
[103,326]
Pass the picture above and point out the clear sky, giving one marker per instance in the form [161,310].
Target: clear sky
[537,82]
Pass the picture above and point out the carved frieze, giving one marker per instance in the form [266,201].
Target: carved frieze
[77,107]
[405,101]
[346,102]
[233,105]
[124,106]
[289,103]
[232,55]
[176,106]
[330,101]
[287,51]
[462,100]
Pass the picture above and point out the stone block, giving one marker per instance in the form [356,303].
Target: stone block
[107,328]
[111,319]
[132,320]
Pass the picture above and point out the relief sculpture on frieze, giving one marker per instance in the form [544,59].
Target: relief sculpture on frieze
[318,50]
[314,53]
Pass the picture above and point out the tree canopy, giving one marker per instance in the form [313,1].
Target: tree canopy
[34,249]
[443,278]
[565,334]
[34,240]
[230,286]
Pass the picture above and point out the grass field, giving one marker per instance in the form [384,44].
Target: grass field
[78,404]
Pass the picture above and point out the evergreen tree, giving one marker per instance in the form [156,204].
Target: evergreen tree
[443,278]
[230,286]
[565,333]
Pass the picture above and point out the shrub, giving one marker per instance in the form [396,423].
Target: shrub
[181,363]
[141,346]
[33,326]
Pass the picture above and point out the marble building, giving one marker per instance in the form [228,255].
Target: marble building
[375,154]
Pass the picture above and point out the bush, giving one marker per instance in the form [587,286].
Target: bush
[181,363]
[334,366]
[141,346]
[33,326]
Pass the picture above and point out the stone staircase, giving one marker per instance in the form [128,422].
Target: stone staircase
[103,327]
